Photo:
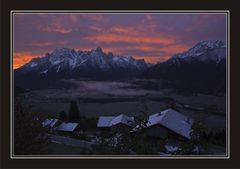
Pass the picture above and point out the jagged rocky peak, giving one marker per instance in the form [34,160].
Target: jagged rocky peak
[98,52]
[67,60]
[63,51]
[212,44]
[99,49]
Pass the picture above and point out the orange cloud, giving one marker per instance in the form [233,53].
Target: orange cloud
[157,45]
[167,49]
[111,38]
[19,59]
[157,56]
[124,30]
[174,49]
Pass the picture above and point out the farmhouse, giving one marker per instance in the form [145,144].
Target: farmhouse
[109,121]
[67,127]
[169,124]
[51,123]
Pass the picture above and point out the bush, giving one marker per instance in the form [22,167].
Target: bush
[198,141]
[29,135]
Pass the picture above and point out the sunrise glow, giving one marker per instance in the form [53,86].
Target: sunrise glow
[152,37]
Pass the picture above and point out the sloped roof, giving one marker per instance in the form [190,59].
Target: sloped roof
[122,119]
[108,121]
[50,122]
[104,121]
[172,120]
[67,127]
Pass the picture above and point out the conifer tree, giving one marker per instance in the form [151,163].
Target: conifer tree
[74,114]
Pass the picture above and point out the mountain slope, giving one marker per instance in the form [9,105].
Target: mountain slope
[200,69]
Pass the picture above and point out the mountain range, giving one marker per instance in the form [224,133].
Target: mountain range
[202,68]
[68,63]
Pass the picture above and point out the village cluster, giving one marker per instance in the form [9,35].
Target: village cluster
[167,124]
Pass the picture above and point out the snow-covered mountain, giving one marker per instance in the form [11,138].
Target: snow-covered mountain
[205,51]
[201,68]
[65,62]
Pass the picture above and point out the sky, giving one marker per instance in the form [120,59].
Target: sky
[152,37]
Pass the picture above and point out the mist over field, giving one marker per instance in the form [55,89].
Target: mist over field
[97,98]
[108,88]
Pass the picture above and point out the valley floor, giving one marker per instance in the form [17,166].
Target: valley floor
[103,98]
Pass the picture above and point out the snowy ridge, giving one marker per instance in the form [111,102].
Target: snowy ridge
[71,60]
[205,51]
